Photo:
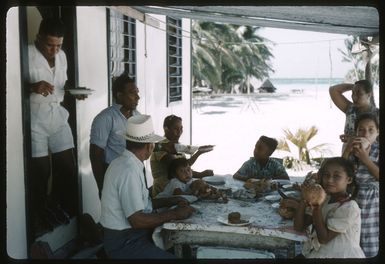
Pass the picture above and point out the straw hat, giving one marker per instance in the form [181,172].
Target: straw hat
[139,129]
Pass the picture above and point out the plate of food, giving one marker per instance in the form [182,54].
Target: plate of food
[80,91]
[235,219]
[215,180]
[273,198]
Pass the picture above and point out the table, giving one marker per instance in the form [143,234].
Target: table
[268,231]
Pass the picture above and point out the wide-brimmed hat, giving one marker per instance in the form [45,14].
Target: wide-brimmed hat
[139,129]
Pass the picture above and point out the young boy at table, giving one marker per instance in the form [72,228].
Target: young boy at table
[262,165]
[180,176]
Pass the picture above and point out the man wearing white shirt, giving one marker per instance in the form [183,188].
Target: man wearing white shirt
[51,137]
[127,214]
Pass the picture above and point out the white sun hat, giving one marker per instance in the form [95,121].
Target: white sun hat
[139,128]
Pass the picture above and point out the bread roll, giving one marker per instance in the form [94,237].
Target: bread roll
[234,218]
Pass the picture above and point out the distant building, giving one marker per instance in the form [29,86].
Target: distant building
[267,87]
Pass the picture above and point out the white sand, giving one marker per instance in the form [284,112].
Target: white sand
[234,123]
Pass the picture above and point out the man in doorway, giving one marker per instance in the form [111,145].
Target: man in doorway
[127,214]
[51,136]
[105,144]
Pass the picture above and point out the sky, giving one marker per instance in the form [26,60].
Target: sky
[305,54]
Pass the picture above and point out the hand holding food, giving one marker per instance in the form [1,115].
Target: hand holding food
[313,194]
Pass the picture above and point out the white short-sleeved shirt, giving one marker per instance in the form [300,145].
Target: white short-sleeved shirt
[344,219]
[39,70]
[124,192]
[104,128]
[173,184]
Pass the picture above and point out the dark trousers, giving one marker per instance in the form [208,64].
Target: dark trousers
[132,244]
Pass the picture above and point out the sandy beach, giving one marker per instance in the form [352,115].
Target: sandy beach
[233,123]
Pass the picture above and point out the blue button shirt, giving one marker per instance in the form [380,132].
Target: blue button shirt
[104,131]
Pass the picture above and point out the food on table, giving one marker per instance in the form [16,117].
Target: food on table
[287,208]
[204,191]
[313,193]
[258,185]
[234,218]
[274,185]
[310,178]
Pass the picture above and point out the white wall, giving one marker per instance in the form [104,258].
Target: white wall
[16,218]
[152,77]
[93,73]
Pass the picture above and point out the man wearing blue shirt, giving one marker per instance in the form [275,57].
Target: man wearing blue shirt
[105,144]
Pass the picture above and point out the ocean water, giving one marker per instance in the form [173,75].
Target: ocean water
[233,123]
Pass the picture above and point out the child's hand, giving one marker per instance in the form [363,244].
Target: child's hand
[361,153]
[344,138]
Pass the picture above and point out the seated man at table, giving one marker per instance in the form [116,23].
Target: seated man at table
[127,214]
[161,158]
[262,166]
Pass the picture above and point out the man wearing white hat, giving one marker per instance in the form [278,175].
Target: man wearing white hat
[127,213]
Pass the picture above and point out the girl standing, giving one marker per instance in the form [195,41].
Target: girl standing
[362,102]
[364,151]
[333,222]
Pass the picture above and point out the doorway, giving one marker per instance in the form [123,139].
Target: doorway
[61,226]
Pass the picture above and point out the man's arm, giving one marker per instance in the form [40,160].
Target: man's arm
[98,165]
[140,220]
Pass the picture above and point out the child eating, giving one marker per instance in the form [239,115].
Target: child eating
[262,165]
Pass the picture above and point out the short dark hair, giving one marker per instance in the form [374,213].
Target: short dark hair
[272,143]
[369,116]
[175,164]
[349,169]
[131,145]
[170,120]
[368,88]
[51,27]
[119,83]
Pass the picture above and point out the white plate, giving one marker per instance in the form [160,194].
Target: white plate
[281,181]
[208,148]
[225,221]
[80,91]
[275,205]
[215,180]
[273,198]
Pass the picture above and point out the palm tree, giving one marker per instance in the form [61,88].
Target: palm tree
[225,55]
[359,70]
[300,140]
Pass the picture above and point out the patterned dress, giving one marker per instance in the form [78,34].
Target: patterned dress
[368,200]
[351,117]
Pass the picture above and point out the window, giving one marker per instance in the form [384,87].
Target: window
[121,41]
[174,59]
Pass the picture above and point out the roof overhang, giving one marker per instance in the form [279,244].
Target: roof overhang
[360,21]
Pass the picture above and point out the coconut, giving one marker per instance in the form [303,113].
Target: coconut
[314,194]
